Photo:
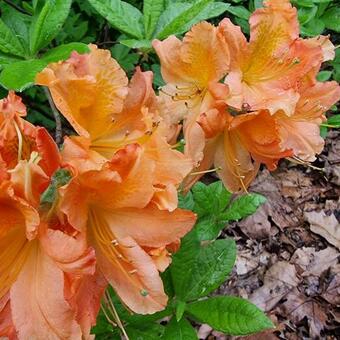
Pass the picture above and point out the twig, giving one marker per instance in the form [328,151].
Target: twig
[56,114]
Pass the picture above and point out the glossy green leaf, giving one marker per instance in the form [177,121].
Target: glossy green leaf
[211,268]
[331,19]
[181,330]
[239,11]
[9,43]
[135,43]
[210,199]
[47,23]
[19,24]
[313,27]
[148,331]
[230,315]
[152,10]
[243,206]
[19,76]
[306,14]
[324,75]
[178,24]
[334,121]
[63,52]
[121,15]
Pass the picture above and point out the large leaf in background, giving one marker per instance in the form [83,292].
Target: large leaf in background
[230,315]
[243,206]
[198,270]
[213,264]
[121,15]
[20,75]
[170,23]
[9,43]
[47,23]
[331,19]
[152,10]
[210,199]
[62,52]
[19,23]
[181,330]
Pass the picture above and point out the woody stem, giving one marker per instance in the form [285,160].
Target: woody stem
[57,118]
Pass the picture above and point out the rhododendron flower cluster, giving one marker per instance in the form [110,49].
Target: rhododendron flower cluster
[103,209]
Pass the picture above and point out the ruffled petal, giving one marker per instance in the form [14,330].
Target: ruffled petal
[39,309]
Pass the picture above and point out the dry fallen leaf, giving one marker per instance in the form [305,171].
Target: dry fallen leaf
[297,306]
[279,280]
[332,292]
[313,262]
[326,226]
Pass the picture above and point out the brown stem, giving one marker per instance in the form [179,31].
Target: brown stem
[57,118]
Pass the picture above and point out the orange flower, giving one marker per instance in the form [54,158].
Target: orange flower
[265,73]
[192,69]
[114,208]
[16,135]
[136,120]
[301,131]
[32,266]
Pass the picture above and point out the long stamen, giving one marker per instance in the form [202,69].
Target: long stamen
[205,171]
[20,141]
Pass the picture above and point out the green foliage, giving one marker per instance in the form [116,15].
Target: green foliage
[229,314]
[23,36]
[159,19]
[215,208]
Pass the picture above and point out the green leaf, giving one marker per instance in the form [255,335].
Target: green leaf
[18,23]
[313,27]
[323,131]
[181,330]
[61,177]
[19,76]
[258,4]
[135,43]
[178,23]
[243,206]
[9,43]
[324,75]
[125,58]
[306,14]
[210,199]
[152,10]
[213,264]
[334,121]
[331,19]
[239,11]
[121,15]
[230,315]
[208,227]
[47,23]
[183,263]
[63,52]
[186,201]
[148,331]
[180,308]
[6,59]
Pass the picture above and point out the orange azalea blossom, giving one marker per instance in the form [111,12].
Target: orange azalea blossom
[266,71]
[105,129]
[130,234]
[192,69]
[32,267]
[237,145]
[16,135]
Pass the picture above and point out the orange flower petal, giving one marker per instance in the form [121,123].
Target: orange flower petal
[39,309]
[88,90]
